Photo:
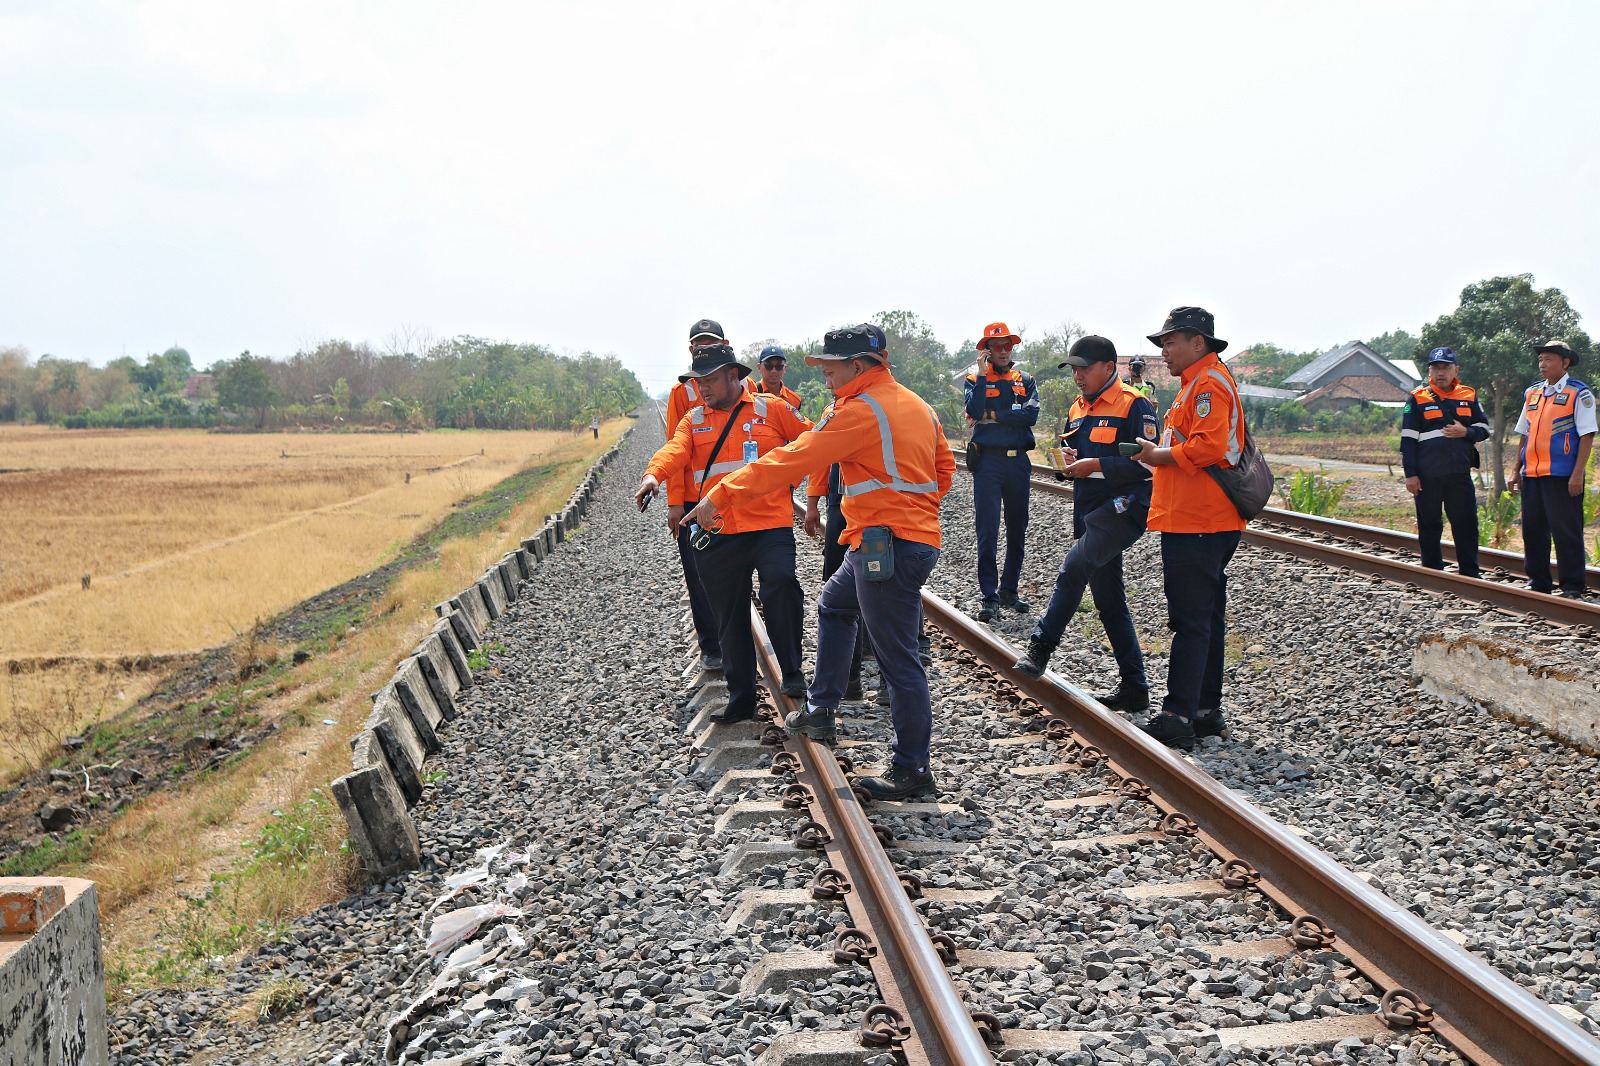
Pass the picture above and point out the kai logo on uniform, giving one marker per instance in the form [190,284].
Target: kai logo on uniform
[1202,405]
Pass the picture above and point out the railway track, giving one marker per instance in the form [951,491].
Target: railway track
[1390,555]
[1309,914]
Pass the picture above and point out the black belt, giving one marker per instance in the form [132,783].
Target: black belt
[990,449]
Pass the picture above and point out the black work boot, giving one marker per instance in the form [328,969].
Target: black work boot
[794,684]
[853,690]
[711,661]
[1171,730]
[1009,599]
[731,714]
[899,783]
[1037,657]
[1126,697]
[1209,723]
[817,724]
[988,611]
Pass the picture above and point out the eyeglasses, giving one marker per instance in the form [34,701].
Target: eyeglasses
[779,363]
[1001,347]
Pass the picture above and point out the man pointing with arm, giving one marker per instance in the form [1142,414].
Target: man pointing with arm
[896,467]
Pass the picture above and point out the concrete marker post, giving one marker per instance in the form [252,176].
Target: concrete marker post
[381,827]
[52,976]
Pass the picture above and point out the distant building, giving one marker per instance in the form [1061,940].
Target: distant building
[1353,360]
[199,387]
[1364,390]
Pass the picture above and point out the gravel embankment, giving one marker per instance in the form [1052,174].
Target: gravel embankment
[570,758]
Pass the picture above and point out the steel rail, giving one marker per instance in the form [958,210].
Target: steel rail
[1483,1014]
[1333,527]
[907,965]
[1577,613]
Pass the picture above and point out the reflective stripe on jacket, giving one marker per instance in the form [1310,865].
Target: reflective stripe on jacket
[1204,427]
[1425,451]
[893,459]
[770,423]
[1552,426]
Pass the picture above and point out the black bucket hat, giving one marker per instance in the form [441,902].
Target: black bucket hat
[1561,348]
[852,342]
[1086,351]
[1194,319]
[711,358]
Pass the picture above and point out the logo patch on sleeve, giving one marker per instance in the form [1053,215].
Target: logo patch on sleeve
[1202,406]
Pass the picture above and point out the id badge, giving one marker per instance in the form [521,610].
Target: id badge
[750,452]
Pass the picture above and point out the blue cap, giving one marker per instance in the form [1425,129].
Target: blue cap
[771,351]
[1442,355]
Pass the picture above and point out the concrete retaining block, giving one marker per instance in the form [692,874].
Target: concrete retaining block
[381,827]
[534,547]
[453,649]
[559,528]
[1493,676]
[438,683]
[411,689]
[470,603]
[399,745]
[523,562]
[493,591]
[368,750]
[439,670]
[510,577]
[549,535]
[465,632]
[52,979]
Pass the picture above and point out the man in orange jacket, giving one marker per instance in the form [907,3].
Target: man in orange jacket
[724,434]
[681,495]
[896,467]
[1200,527]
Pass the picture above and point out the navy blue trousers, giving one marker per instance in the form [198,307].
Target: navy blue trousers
[1550,512]
[832,558]
[1451,495]
[1095,562]
[892,611]
[726,567]
[1000,484]
[1194,572]
[705,623]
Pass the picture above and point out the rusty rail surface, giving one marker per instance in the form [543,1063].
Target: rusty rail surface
[922,1014]
[1428,979]
[1577,613]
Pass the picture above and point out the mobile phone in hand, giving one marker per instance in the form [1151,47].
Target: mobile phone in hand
[1129,450]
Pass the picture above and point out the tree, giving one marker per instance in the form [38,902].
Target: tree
[245,384]
[1394,345]
[1493,332]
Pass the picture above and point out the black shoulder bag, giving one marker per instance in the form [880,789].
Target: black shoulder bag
[1249,484]
[703,538]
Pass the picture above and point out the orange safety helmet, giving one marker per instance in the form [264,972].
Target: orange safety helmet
[998,331]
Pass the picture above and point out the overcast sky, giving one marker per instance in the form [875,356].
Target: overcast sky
[598,175]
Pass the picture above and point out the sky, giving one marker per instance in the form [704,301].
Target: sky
[596,176]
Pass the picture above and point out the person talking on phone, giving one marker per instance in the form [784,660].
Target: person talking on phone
[1110,500]
[728,431]
[1002,407]
[896,467]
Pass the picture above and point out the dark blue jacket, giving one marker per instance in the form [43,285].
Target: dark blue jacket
[1013,402]
[1119,415]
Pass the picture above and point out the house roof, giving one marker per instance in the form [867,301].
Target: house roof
[1262,392]
[1362,387]
[1398,370]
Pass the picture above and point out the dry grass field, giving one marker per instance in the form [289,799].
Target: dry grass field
[188,538]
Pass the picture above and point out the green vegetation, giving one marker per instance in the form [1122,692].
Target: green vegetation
[1311,493]
[463,383]
[478,658]
[47,854]
[1497,519]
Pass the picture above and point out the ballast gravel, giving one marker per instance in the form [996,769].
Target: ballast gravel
[569,783]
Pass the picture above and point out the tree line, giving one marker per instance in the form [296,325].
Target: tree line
[1492,330]
[462,383]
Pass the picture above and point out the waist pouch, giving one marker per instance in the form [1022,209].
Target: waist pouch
[877,553]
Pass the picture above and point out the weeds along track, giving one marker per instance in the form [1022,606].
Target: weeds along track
[648,901]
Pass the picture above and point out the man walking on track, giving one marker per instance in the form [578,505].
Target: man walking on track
[1439,434]
[896,467]
[726,433]
[1199,525]
[1557,427]
[1002,407]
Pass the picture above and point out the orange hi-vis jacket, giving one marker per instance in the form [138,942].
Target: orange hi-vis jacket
[684,397]
[893,459]
[766,420]
[784,393]
[1203,427]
